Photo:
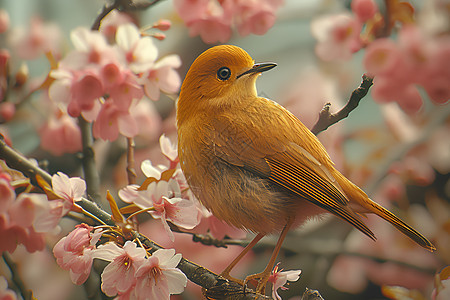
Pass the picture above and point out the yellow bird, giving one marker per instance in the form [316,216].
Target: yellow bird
[253,164]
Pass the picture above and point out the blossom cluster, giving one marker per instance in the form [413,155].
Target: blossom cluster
[131,273]
[417,58]
[104,82]
[213,20]
[25,218]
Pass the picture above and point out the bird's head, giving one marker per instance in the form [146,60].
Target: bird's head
[220,77]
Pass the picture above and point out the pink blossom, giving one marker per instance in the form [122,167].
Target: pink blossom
[77,90]
[164,198]
[75,252]
[254,16]
[111,121]
[162,24]
[5,57]
[5,293]
[338,36]
[147,118]
[213,20]
[151,171]
[4,21]
[382,57]
[279,278]
[91,50]
[205,18]
[7,110]
[364,9]
[112,21]
[169,151]
[158,277]
[118,276]
[138,52]
[415,59]
[69,189]
[23,219]
[121,85]
[7,194]
[60,134]
[162,76]
[34,41]
[217,228]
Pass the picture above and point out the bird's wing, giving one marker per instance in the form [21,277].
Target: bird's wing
[284,159]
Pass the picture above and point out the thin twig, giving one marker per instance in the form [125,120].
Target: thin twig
[326,119]
[26,293]
[131,172]
[91,175]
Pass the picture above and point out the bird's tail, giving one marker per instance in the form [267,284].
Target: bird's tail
[358,197]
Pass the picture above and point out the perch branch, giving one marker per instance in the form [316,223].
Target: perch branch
[326,118]
[213,284]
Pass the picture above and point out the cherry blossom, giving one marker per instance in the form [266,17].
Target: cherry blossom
[364,9]
[279,278]
[162,76]
[138,52]
[118,276]
[152,171]
[75,252]
[69,189]
[36,40]
[401,66]
[257,17]
[111,23]
[112,120]
[5,293]
[4,21]
[169,151]
[60,134]
[158,277]
[25,218]
[7,110]
[205,18]
[164,198]
[214,20]
[338,36]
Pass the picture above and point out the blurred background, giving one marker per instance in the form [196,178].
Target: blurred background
[402,161]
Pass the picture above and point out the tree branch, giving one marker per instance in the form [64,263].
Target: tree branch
[326,119]
[213,284]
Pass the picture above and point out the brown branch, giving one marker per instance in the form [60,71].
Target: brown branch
[213,284]
[311,295]
[105,11]
[90,172]
[326,119]
[131,172]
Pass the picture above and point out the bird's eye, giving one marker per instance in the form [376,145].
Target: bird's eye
[223,73]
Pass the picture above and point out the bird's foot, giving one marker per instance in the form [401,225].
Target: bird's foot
[227,275]
[262,279]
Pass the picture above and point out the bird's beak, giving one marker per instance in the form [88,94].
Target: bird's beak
[259,68]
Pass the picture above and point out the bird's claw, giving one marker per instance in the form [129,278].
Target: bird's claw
[262,279]
[227,276]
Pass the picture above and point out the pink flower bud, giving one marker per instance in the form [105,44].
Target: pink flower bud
[162,24]
[364,9]
[159,36]
[7,110]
